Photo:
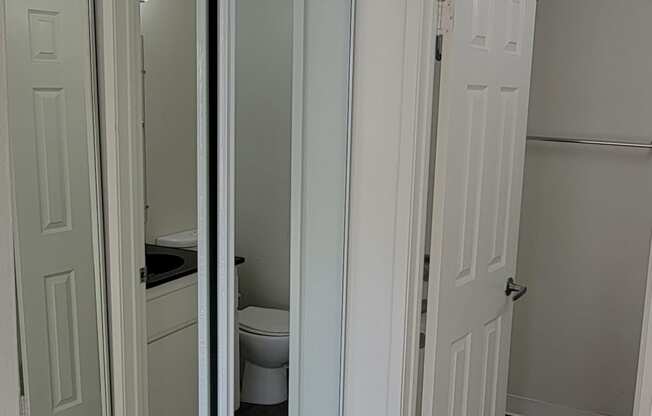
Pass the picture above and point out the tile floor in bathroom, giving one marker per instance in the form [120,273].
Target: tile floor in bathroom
[247,409]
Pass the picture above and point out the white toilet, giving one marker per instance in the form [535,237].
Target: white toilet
[264,345]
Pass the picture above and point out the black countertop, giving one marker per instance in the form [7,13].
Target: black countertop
[165,264]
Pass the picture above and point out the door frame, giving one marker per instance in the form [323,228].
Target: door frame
[121,114]
[392,103]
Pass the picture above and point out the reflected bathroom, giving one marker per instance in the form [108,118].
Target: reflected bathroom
[263,113]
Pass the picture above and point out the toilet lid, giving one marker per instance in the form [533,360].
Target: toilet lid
[264,320]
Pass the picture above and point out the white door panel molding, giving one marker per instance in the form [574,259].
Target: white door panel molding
[481,135]
[57,233]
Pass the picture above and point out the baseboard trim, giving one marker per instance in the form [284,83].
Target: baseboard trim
[524,406]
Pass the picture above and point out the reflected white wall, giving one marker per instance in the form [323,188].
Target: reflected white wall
[263,88]
[169,33]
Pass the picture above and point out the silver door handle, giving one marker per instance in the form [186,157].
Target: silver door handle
[513,287]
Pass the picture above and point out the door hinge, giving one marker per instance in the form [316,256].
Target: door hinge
[22,406]
[445,16]
[143,275]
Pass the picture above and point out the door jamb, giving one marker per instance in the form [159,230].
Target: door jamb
[392,89]
[121,115]
[97,213]
[9,376]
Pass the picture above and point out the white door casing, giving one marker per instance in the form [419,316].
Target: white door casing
[52,138]
[121,115]
[393,75]
[477,195]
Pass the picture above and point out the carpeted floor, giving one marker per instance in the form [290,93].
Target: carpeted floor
[247,409]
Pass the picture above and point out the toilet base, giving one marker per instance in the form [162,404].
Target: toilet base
[265,386]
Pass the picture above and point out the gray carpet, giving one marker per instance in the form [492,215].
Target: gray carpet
[247,409]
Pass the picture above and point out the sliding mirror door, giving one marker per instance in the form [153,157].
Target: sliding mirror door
[273,195]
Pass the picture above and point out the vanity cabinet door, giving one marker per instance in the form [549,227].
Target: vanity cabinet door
[172,348]
[173,374]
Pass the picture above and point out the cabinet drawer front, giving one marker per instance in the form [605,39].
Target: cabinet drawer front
[171,311]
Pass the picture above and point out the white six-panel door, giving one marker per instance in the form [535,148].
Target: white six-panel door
[479,169]
[51,136]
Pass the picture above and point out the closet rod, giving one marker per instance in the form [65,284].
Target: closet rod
[591,141]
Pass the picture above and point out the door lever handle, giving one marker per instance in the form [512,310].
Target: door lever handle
[513,287]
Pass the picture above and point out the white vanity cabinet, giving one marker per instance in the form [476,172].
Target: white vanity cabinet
[172,347]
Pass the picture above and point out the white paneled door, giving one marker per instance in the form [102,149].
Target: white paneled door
[479,170]
[52,142]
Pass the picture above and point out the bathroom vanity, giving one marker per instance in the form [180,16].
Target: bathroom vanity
[172,331]
[172,347]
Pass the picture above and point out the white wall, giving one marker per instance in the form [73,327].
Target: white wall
[587,211]
[263,65]
[170,111]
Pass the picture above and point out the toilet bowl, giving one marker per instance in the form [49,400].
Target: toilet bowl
[264,345]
